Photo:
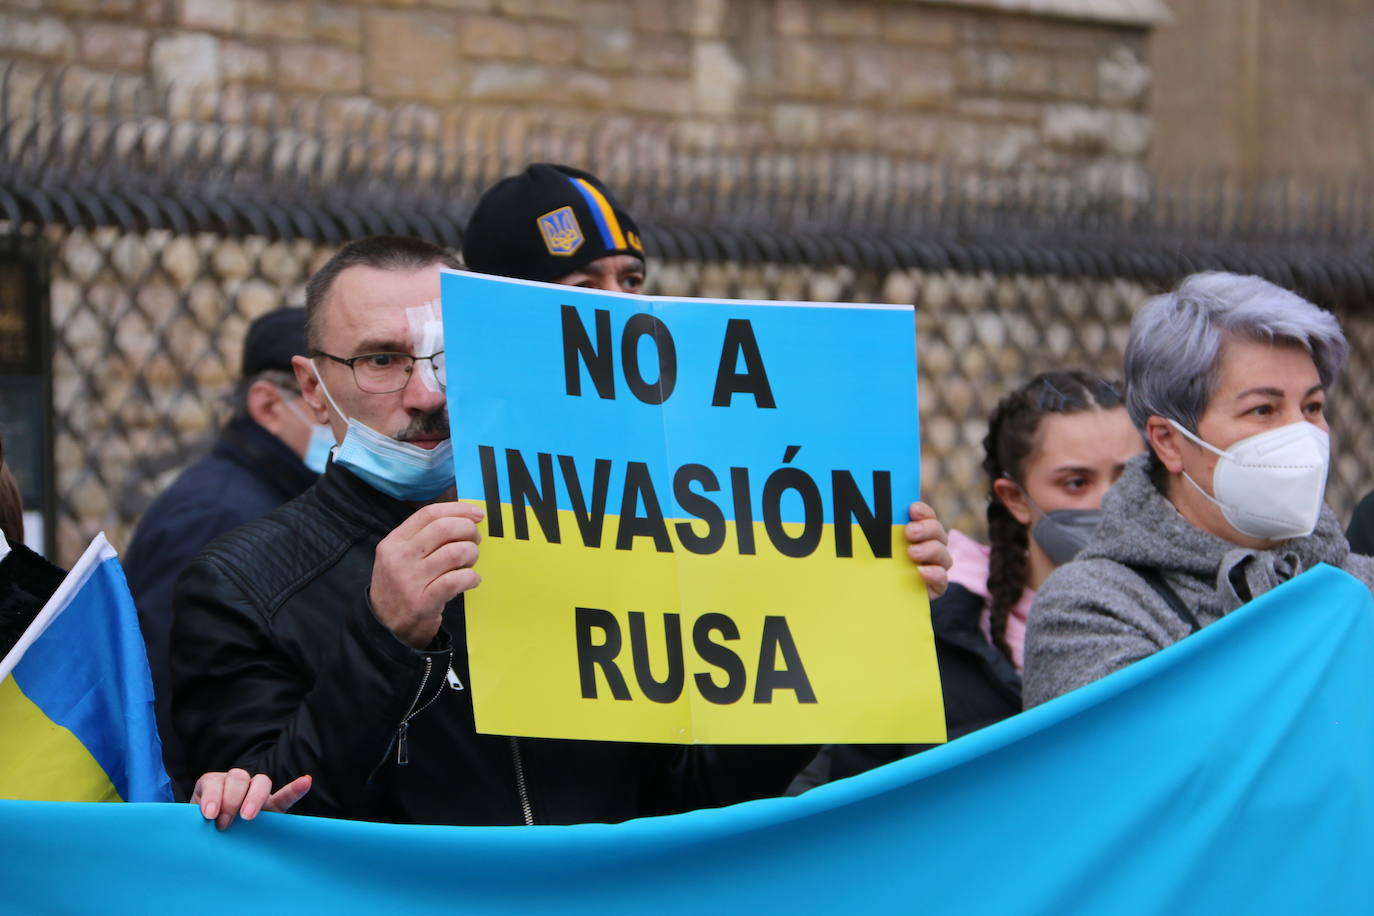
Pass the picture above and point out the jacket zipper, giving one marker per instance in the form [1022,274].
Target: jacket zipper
[520,786]
[402,739]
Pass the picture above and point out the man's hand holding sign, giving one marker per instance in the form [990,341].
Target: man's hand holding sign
[422,566]
[692,510]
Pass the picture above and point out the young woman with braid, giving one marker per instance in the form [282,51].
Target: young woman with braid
[1054,446]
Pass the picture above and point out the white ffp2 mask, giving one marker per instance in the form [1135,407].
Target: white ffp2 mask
[1270,485]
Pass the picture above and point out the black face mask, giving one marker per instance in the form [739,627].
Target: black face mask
[1064,532]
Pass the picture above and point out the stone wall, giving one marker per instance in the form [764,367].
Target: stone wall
[1054,85]
[1263,87]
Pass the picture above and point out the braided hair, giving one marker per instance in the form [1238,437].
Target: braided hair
[1011,438]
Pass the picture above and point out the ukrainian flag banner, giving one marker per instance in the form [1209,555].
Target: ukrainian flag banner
[695,515]
[1230,773]
[76,698]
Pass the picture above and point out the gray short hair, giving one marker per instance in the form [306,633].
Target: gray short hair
[238,400]
[1172,356]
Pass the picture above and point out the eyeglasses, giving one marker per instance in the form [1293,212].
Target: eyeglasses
[383,373]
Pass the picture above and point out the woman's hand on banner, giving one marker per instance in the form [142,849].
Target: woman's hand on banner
[928,547]
[423,565]
[224,796]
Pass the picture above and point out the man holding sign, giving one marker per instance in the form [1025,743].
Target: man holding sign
[329,637]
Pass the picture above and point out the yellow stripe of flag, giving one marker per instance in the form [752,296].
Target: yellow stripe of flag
[607,214]
[42,761]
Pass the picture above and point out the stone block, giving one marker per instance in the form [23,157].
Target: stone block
[607,47]
[900,77]
[1032,73]
[592,90]
[1122,77]
[922,79]
[1075,77]
[245,63]
[983,70]
[186,60]
[280,19]
[993,108]
[505,81]
[812,70]
[852,19]
[130,256]
[180,260]
[493,36]
[154,12]
[717,78]
[795,124]
[210,15]
[109,9]
[604,13]
[656,95]
[1077,128]
[412,55]
[918,136]
[473,6]
[256,297]
[670,55]
[792,18]
[849,127]
[340,24]
[658,16]
[317,68]
[562,10]
[282,263]
[1129,134]
[899,287]
[918,25]
[554,43]
[37,36]
[114,44]
[706,18]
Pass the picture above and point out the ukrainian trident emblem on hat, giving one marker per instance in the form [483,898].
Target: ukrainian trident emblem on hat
[562,234]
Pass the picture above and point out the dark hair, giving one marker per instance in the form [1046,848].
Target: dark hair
[11,503]
[382,252]
[1010,440]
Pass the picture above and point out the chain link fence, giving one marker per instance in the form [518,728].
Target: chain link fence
[168,225]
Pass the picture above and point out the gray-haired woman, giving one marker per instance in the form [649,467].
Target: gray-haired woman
[1226,378]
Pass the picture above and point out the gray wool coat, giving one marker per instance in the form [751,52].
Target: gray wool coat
[1096,615]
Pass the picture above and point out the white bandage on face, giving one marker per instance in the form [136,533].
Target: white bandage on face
[427,334]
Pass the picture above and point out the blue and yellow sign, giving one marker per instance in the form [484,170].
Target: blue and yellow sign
[695,516]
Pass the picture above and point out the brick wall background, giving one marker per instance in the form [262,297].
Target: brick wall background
[967,83]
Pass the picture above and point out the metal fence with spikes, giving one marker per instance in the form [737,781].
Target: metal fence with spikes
[165,223]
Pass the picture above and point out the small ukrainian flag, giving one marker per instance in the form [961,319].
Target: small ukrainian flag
[76,698]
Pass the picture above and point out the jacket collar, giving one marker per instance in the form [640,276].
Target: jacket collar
[246,442]
[348,496]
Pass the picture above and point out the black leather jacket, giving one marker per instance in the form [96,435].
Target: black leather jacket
[279,667]
[979,684]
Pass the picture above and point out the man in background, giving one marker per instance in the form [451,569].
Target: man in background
[258,463]
[555,224]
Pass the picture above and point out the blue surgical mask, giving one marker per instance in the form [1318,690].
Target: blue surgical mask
[317,452]
[398,469]
[321,443]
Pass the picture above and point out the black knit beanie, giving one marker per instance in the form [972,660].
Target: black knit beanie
[545,223]
[272,340]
